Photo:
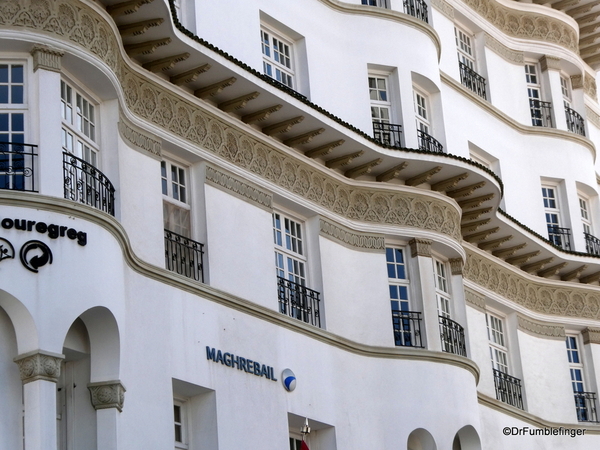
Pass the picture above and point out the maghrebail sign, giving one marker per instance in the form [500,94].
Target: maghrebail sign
[237,362]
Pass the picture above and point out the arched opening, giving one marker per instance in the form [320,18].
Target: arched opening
[421,439]
[466,439]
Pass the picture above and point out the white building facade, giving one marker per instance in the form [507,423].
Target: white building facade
[220,219]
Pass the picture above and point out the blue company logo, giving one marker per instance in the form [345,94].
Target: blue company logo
[289,380]
[35,254]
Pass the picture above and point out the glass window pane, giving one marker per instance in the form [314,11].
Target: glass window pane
[4,94]
[3,73]
[18,123]
[16,94]
[17,74]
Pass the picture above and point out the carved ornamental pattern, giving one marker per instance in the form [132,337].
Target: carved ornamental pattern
[475,299]
[239,187]
[78,23]
[140,139]
[39,365]
[526,25]
[545,330]
[351,238]
[110,394]
[502,50]
[591,336]
[535,296]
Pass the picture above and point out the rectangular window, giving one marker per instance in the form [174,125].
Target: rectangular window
[585,402]
[541,112]
[380,3]
[441,288]
[422,111]
[179,423]
[558,235]
[78,124]
[497,342]
[585,216]
[278,60]
[464,48]
[176,210]
[289,252]
[384,131]
[565,87]
[12,84]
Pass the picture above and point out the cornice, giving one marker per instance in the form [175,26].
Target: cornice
[502,50]
[475,300]
[552,298]
[541,329]
[239,187]
[519,414]
[444,7]
[388,14]
[591,335]
[592,116]
[161,275]
[139,139]
[526,24]
[524,129]
[350,238]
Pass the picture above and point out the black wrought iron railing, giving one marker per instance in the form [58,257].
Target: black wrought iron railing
[575,123]
[416,8]
[585,405]
[86,184]
[541,113]
[592,244]
[184,256]
[472,80]
[298,301]
[453,337]
[429,143]
[560,236]
[17,166]
[388,134]
[508,389]
[407,328]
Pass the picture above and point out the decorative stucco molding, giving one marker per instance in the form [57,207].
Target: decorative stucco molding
[456,266]
[535,328]
[591,336]
[39,365]
[350,238]
[549,63]
[526,25]
[162,107]
[589,86]
[502,50]
[139,139]
[546,298]
[444,7]
[592,116]
[239,187]
[577,81]
[420,247]
[107,394]
[474,299]
[45,57]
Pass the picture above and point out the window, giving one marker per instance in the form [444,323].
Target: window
[384,131]
[176,211]
[565,87]
[380,3]
[541,112]
[79,124]
[278,60]
[179,422]
[464,48]
[422,111]
[466,63]
[498,348]
[585,216]
[441,289]
[558,235]
[585,402]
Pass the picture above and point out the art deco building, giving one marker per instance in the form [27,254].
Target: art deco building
[221,218]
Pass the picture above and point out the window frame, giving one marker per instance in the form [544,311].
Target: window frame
[377,102]
[549,210]
[173,206]
[566,90]
[498,342]
[289,263]
[442,284]
[423,121]
[269,59]
[465,49]
[585,214]
[182,404]
[401,284]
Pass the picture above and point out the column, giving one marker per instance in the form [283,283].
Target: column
[107,399]
[425,290]
[39,373]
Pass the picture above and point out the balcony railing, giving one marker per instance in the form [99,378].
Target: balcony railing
[453,337]
[541,113]
[298,301]
[560,236]
[86,184]
[407,328]
[575,123]
[472,80]
[416,8]
[585,405]
[429,143]
[388,134]
[508,389]
[184,256]
[592,244]
[17,166]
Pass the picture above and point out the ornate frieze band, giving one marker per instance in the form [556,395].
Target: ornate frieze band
[474,299]
[502,50]
[456,266]
[420,247]
[592,116]
[351,238]
[589,86]
[189,120]
[536,328]
[45,57]
[444,7]
[241,188]
[39,365]
[549,63]
[526,25]
[107,394]
[591,336]
[139,139]
[536,296]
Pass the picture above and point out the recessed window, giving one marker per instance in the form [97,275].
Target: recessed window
[289,249]
[176,210]
[541,111]
[585,402]
[179,423]
[278,57]
[557,234]
[78,124]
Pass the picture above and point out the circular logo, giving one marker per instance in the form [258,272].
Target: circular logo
[35,254]
[7,251]
[289,380]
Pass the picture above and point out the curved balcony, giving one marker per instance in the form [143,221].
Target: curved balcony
[407,328]
[17,166]
[575,123]
[184,256]
[429,143]
[560,236]
[298,301]
[416,8]
[508,389]
[472,80]
[453,337]
[592,244]
[85,184]
[541,113]
[388,134]
[585,405]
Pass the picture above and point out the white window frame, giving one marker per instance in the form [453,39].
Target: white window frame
[290,248]
[379,3]
[181,424]
[575,366]
[442,288]
[565,88]
[465,47]
[498,342]
[379,104]
[535,93]
[551,205]
[176,212]
[278,53]
[398,278]
[586,216]
[422,110]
